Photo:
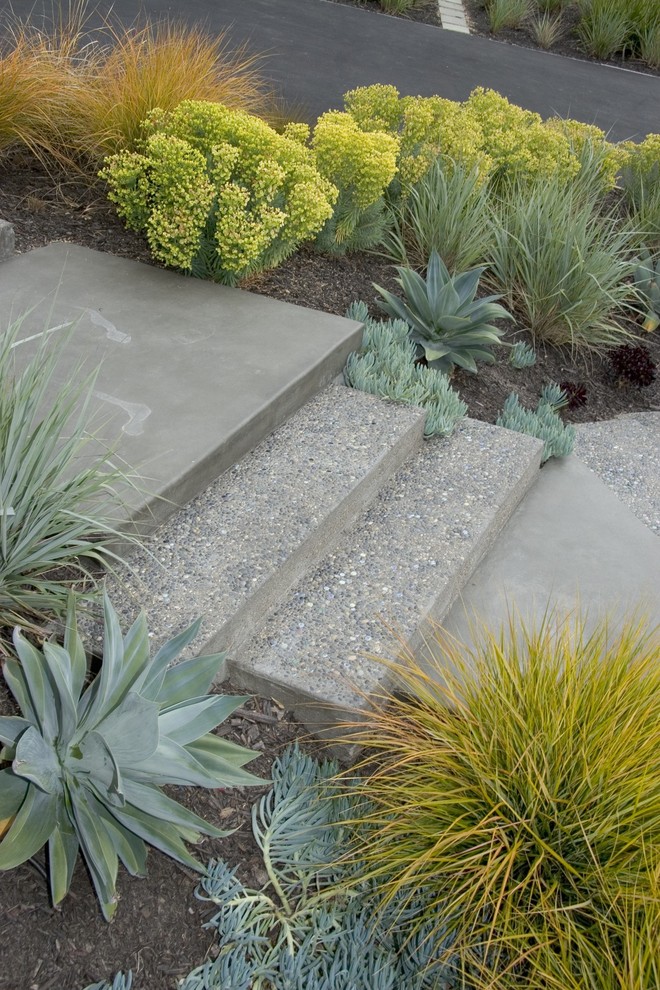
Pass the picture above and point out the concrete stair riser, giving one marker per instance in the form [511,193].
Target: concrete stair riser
[235,552]
[400,569]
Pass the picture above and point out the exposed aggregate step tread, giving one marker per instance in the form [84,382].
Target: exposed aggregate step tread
[236,549]
[405,562]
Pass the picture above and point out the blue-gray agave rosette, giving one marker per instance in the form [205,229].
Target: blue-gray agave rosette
[88,762]
[449,326]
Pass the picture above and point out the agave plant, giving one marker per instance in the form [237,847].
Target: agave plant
[88,762]
[449,326]
[647,283]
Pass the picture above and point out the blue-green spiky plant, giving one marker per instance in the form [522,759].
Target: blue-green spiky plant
[449,326]
[88,762]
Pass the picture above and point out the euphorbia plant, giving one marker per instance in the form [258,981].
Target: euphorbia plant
[88,762]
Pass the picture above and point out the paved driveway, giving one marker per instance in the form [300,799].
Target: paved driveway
[318,49]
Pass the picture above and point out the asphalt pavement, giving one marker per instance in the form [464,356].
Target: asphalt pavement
[315,50]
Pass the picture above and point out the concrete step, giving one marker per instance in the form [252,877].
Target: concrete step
[402,566]
[193,375]
[571,544]
[237,549]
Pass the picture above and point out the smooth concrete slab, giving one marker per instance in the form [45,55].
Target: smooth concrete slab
[192,375]
[571,543]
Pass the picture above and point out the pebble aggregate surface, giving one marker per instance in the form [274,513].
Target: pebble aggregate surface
[405,561]
[288,497]
[625,453]
[403,557]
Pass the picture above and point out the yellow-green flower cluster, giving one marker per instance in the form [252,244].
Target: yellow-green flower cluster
[590,146]
[375,108]
[261,189]
[426,127]
[297,132]
[644,158]
[432,126]
[164,191]
[361,163]
[487,132]
[517,140]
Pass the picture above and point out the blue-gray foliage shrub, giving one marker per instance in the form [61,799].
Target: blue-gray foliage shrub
[386,366]
[544,423]
[308,928]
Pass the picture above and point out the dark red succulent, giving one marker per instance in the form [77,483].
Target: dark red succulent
[576,394]
[633,363]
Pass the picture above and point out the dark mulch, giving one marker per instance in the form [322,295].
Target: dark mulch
[157,930]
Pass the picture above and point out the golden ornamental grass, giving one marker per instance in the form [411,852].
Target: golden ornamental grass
[30,92]
[74,96]
[516,787]
[155,66]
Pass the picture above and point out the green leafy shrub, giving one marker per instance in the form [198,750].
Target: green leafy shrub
[449,326]
[542,422]
[219,192]
[361,164]
[517,786]
[386,366]
[447,211]
[562,264]
[88,763]
[59,501]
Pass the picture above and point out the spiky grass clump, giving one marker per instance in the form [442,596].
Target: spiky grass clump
[447,211]
[31,92]
[506,13]
[562,264]
[58,495]
[546,29]
[155,66]
[518,786]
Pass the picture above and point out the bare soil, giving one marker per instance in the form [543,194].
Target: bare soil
[157,930]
